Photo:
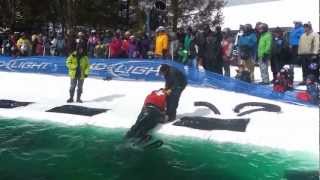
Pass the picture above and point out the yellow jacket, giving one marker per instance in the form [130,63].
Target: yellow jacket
[162,43]
[23,41]
[72,65]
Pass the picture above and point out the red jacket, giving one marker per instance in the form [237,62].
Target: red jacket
[116,47]
[157,98]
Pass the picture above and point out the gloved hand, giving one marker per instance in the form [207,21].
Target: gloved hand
[168,91]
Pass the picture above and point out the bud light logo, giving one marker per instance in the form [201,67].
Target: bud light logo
[27,65]
[135,70]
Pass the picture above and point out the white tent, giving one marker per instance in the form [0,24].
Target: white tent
[280,13]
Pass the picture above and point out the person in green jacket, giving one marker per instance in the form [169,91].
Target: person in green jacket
[264,52]
[78,67]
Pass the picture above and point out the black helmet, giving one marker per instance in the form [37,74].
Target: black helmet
[164,68]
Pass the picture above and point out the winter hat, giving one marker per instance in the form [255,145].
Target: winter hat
[160,28]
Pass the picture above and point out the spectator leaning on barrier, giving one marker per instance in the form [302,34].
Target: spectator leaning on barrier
[264,51]
[308,51]
[162,43]
[78,67]
[247,46]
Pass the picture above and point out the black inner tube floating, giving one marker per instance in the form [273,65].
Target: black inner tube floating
[264,107]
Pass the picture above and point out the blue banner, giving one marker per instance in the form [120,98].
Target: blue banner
[127,69]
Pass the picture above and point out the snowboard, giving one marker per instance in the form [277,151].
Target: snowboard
[148,142]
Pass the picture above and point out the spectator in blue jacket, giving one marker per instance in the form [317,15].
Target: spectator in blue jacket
[247,48]
[295,34]
[294,38]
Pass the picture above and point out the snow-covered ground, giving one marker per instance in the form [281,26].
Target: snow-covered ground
[295,128]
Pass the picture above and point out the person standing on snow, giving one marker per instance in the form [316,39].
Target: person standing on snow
[78,67]
[175,83]
[247,45]
[264,51]
[308,51]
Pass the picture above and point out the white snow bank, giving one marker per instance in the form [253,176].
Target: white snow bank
[295,128]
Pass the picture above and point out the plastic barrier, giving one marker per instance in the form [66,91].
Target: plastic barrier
[144,69]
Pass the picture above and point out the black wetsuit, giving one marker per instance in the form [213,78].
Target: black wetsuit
[148,119]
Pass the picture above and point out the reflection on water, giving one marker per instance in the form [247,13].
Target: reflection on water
[33,150]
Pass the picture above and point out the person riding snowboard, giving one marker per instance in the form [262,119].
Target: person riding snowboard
[152,113]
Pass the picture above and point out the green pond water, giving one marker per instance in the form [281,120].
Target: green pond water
[47,151]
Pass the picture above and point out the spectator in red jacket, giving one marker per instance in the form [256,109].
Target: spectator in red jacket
[116,45]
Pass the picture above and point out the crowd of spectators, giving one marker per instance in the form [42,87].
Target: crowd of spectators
[213,48]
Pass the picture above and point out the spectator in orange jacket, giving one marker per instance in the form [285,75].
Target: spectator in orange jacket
[162,43]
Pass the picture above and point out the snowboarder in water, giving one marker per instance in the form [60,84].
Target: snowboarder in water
[152,113]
